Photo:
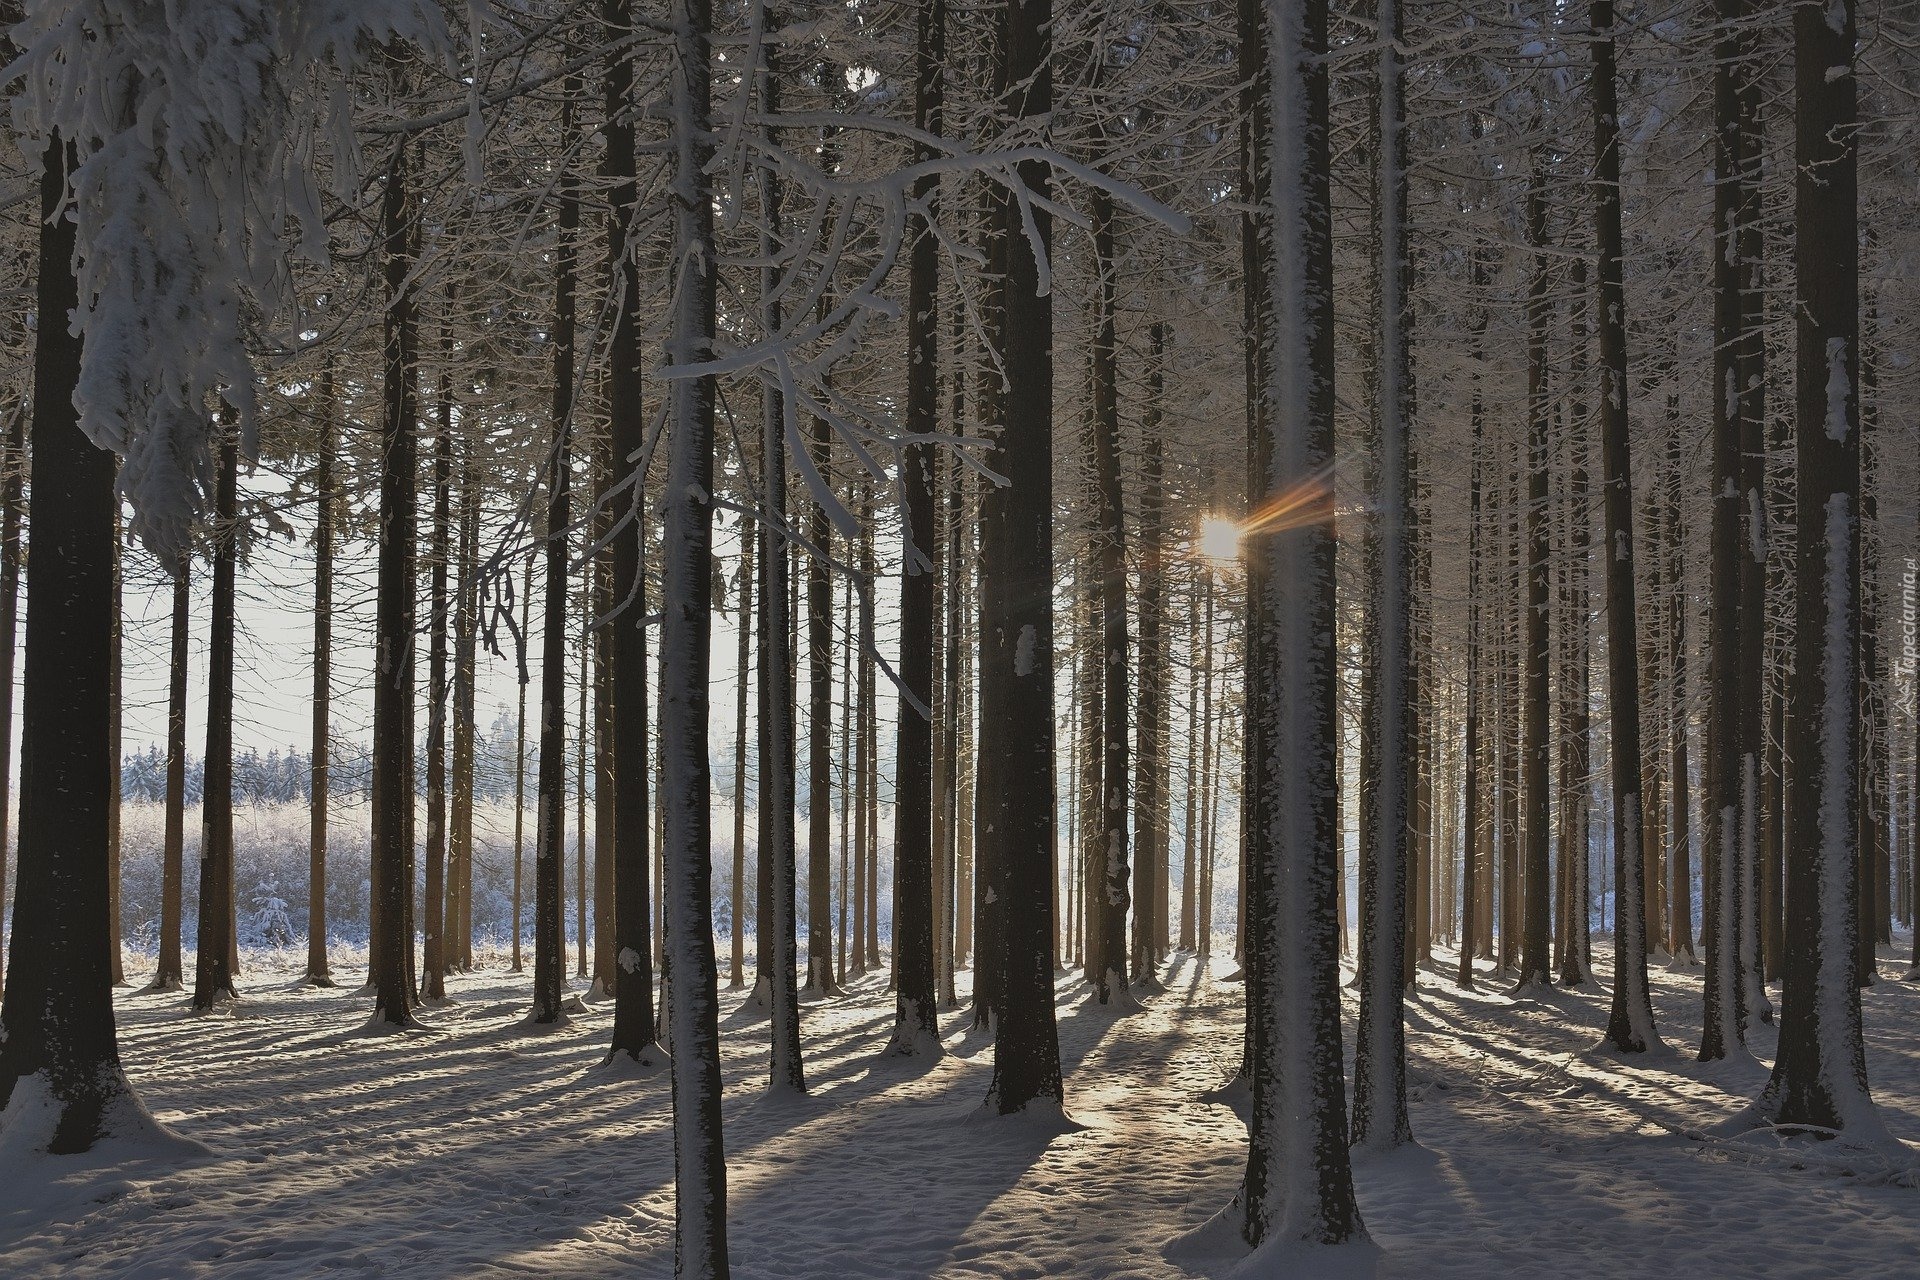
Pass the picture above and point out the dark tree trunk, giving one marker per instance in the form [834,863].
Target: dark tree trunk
[821,981]
[13,469]
[168,975]
[213,973]
[736,978]
[1150,878]
[1380,1052]
[634,1033]
[959,703]
[1016,661]
[1108,821]
[1820,1076]
[600,583]
[1577,964]
[1871,759]
[1299,1184]
[391,961]
[549,840]
[1473,802]
[916,1025]
[1676,880]
[1630,1026]
[779,853]
[989,794]
[700,1170]
[57,1034]
[319,973]
[515,964]
[458,923]
[1536,966]
[433,951]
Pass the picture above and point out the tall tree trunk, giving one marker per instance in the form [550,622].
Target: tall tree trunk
[319,973]
[433,950]
[1150,878]
[692,976]
[391,961]
[1577,965]
[916,1027]
[1820,1075]
[634,1033]
[458,926]
[1189,845]
[168,975]
[778,850]
[1380,1052]
[520,769]
[1016,662]
[1749,246]
[821,981]
[1209,753]
[1299,1184]
[1507,675]
[116,684]
[959,700]
[1536,967]
[582,745]
[1471,918]
[736,978]
[605,973]
[1109,969]
[56,1023]
[1630,1026]
[213,973]
[549,839]
[1871,772]
[13,468]
[989,794]
[1677,875]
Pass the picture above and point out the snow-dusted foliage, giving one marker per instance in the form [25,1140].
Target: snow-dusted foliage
[192,128]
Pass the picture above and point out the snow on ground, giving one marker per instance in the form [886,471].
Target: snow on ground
[482,1150]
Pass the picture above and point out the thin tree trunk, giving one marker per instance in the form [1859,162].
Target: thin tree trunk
[213,973]
[520,768]
[1380,1053]
[916,1028]
[1473,802]
[821,981]
[743,678]
[549,839]
[319,973]
[1577,965]
[458,927]
[634,1033]
[605,972]
[13,469]
[1630,1026]
[433,959]
[778,852]
[168,974]
[1108,969]
[1150,879]
[1536,968]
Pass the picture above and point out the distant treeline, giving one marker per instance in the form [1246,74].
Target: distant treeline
[286,777]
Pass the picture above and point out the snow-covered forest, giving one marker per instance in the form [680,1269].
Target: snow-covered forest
[915,638]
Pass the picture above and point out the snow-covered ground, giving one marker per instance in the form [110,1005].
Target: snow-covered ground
[482,1150]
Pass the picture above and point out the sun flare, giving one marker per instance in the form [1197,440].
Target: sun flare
[1219,539]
